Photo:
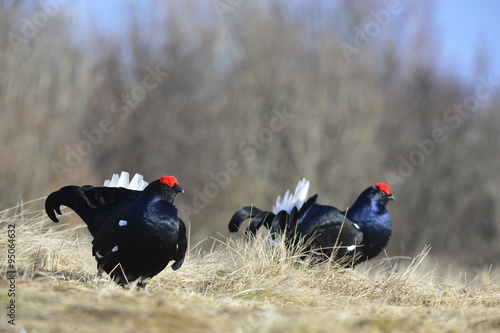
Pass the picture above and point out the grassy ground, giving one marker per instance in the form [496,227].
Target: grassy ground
[237,286]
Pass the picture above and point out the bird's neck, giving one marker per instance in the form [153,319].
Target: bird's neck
[369,214]
[153,203]
[375,223]
[150,195]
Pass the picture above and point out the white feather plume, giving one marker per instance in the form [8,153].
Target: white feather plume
[137,183]
[295,200]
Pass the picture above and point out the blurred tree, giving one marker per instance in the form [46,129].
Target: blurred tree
[240,109]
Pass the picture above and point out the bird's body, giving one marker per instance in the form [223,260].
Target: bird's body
[136,231]
[349,237]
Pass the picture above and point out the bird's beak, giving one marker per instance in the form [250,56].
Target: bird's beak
[178,188]
[390,197]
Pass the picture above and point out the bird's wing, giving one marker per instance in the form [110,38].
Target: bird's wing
[181,246]
[108,244]
[338,236]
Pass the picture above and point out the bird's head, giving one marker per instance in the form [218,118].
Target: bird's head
[381,193]
[375,197]
[170,183]
[369,207]
[166,187]
[170,187]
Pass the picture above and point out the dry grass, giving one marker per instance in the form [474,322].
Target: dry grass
[237,286]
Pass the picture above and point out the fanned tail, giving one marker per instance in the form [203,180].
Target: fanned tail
[247,212]
[296,200]
[89,201]
[284,216]
[262,218]
[137,183]
[71,196]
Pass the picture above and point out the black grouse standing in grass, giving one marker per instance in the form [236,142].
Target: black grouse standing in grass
[356,235]
[135,226]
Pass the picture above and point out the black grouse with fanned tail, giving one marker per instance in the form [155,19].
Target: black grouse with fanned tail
[135,226]
[350,237]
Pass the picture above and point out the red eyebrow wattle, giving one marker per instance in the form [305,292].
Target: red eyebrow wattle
[383,187]
[169,180]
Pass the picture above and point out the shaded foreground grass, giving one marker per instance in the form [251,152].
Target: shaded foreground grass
[237,286]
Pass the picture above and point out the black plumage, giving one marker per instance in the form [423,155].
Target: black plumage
[136,232]
[348,237]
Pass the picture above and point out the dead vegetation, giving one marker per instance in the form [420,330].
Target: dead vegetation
[236,286]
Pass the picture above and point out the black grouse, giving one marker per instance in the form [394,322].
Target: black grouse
[350,237]
[135,226]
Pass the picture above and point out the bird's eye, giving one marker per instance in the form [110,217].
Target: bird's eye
[383,193]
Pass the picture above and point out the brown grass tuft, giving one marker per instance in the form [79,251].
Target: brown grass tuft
[236,286]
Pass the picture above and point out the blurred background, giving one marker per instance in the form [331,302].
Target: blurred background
[241,99]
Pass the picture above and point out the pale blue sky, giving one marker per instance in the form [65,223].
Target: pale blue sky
[462,28]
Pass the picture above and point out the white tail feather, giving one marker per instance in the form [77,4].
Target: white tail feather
[123,181]
[137,183]
[295,200]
